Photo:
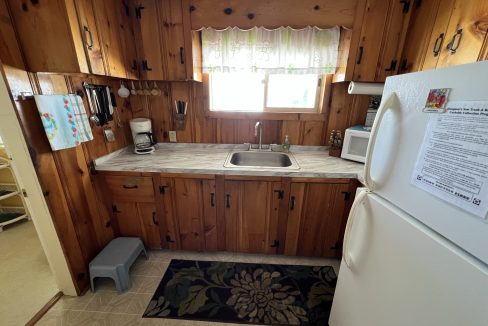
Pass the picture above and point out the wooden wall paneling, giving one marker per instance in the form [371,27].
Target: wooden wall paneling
[160,112]
[181,91]
[210,215]
[472,18]
[10,52]
[108,22]
[52,188]
[172,32]
[272,14]
[313,133]
[439,33]
[205,128]
[139,104]
[418,36]
[358,110]
[271,132]
[226,131]
[293,130]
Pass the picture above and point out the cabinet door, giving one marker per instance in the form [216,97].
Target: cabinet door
[171,18]
[418,36]
[251,214]
[148,39]
[315,219]
[90,37]
[150,225]
[128,223]
[373,27]
[210,215]
[165,208]
[126,22]
[465,34]
[107,14]
[438,38]
[188,199]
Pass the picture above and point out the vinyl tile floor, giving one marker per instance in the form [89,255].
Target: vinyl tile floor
[106,307]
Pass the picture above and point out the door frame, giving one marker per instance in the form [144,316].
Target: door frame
[26,175]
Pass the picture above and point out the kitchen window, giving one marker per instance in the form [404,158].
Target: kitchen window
[260,70]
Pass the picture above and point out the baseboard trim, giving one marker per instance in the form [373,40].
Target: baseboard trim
[44,309]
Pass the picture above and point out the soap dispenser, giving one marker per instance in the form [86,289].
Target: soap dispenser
[285,147]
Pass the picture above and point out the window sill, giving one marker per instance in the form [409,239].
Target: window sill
[309,116]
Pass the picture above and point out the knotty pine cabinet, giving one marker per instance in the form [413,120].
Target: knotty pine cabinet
[269,215]
[66,36]
[382,26]
[446,33]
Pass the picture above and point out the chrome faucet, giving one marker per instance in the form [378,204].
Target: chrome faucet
[258,129]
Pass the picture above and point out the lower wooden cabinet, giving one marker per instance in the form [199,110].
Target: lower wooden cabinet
[269,215]
[251,216]
[316,218]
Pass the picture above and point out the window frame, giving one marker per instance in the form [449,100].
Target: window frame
[324,89]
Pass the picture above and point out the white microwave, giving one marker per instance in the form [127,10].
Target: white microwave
[355,143]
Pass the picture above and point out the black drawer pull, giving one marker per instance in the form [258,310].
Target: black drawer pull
[130,186]
[227,201]
[292,203]
[154,219]
[182,55]
[360,55]
[212,199]
[168,238]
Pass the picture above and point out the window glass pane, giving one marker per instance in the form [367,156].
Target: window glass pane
[236,92]
[292,91]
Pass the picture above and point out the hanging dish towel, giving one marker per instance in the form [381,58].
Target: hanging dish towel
[59,121]
[81,119]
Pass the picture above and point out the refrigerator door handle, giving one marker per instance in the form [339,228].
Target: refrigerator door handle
[346,252]
[390,102]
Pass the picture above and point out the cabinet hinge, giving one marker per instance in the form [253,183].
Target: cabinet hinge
[92,169]
[281,194]
[336,246]
[168,238]
[393,65]
[114,208]
[126,7]
[162,189]
[139,12]
[406,6]
[276,244]
[347,195]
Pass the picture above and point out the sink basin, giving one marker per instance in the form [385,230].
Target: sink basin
[261,160]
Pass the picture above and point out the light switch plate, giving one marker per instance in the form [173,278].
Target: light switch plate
[172,136]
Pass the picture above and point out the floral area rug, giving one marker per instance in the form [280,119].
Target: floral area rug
[244,293]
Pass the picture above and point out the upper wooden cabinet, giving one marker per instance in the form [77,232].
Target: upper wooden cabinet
[66,36]
[379,31]
[445,33]
[164,40]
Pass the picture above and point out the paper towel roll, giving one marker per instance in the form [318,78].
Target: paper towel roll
[366,88]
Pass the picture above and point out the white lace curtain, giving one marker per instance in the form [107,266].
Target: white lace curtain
[283,50]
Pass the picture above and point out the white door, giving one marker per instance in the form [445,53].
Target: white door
[402,273]
[399,139]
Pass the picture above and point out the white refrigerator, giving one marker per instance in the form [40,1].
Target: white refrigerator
[413,253]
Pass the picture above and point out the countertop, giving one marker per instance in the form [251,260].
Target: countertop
[314,161]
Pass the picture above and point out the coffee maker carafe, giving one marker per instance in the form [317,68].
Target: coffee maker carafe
[144,142]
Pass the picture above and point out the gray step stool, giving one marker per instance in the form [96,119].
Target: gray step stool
[115,260]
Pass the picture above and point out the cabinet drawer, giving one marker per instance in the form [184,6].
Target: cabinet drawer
[130,188]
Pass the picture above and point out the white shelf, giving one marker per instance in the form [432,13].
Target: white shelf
[16,219]
[10,194]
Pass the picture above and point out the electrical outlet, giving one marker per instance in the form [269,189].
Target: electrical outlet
[172,136]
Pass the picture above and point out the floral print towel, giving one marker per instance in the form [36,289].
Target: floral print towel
[59,120]
[244,293]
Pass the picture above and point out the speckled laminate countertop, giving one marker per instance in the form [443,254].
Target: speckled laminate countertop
[314,161]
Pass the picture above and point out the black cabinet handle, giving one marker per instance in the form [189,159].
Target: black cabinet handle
[438,44]
[182,55]
[275,244]
[168,238]
[89,45]
[360,55]
[393,65]
[212,199]
[154,219]
[145,66]
[130,186]
[455,41]
[134,65]
[227,201]
[162,189]
[139,12]
[281,194]
[292,203]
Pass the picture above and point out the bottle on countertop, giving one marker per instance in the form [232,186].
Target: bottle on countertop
[285,147]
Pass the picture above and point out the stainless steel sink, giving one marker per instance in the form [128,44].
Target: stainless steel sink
[257,159]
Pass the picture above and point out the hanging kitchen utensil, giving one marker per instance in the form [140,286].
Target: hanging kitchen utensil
[123,91]
[109,101]
[140,91]
[147,90]
[93,117]
[133,90]
[155,91]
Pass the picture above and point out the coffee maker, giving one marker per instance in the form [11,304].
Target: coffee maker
[144,142]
